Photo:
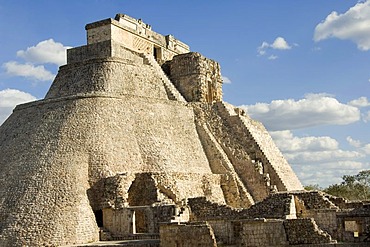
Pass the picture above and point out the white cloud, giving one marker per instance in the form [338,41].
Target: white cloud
[226,80]
[360,102]
[47,51]
[262,49]
[289,143]
[366,149]
[308,157]
[329,173]
[352,142]
[319,159]
[313,110]
[353,25]
[9,98]
[38,73]
[366,117]
[279,44]
[305,150]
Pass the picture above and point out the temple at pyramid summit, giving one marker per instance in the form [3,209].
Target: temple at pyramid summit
[133,141]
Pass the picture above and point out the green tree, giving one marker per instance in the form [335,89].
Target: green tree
[313,187]
[353,187]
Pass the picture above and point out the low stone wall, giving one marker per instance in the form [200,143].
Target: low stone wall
[315,200]
[224,231]
[305,231]
[263,233]
[277,206]
[187,235]
[202,210]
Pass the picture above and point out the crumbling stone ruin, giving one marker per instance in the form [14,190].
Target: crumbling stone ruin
[134,141]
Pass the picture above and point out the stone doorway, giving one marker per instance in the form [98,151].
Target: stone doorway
[99,217]
[141,225]
[157,53]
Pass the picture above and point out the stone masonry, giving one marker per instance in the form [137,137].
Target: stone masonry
[134,141]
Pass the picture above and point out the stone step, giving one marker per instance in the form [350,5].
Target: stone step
[137,236]
[126,243]
[170,88]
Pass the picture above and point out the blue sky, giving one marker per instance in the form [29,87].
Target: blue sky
[300,67]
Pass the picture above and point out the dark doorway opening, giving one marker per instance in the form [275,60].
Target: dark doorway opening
[99,217]
[141,223]
[157,53]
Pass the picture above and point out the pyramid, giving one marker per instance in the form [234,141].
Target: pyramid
[133,125]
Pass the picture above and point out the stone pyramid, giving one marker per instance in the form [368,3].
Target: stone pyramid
[133,121]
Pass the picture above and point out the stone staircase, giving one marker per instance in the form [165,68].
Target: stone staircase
[272,153]
[257,134]
[172,92]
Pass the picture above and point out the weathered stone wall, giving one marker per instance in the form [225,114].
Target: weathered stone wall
[262,233]
[101,50]
[315,200]
[68,145]
[305,231]
[123,74]
[119,222]
[151,188]
[356,220]
[187,235]
[326,219]
[277,206]
[123,223]
[135,35]
[196,77]
[44,178]
[224,231]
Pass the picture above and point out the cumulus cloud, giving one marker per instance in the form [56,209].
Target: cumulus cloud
[360,102]
[352,142]
[289,143]
[306,150]
[323,156]
[38,73]
[47,51]
[328,173]
[353,25]
[366,149]
[9,98]
[279,44]
[362,147]
[312,110]
[226,80]
[366,117]
[319,159]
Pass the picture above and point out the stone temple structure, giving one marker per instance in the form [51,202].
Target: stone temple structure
[134,141]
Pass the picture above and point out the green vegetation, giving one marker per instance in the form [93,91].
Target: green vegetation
[353,187]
